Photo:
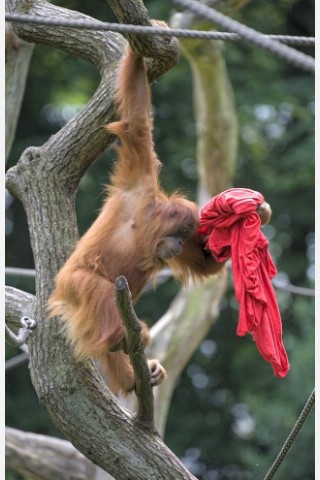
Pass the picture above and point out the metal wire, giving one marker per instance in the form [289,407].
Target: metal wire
[288,287]
[140,30]
[16,361]
[298,59]
[166,274]
[20,272]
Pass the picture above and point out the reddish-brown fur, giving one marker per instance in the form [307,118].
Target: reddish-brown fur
[138,231]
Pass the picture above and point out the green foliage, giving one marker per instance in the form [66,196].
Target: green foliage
[229,415]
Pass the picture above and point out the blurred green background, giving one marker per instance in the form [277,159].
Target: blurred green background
[229,415]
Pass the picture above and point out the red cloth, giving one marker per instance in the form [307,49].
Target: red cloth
[233,225]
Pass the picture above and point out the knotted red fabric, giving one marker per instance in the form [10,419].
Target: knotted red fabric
[232,224]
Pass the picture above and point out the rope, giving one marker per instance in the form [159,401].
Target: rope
[140,30]
[292,436]
[299,59]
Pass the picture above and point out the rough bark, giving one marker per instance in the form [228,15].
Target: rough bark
[143,388]
[37,457]
[18,304]
[162,53]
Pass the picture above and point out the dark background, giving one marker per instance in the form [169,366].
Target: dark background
[229,415]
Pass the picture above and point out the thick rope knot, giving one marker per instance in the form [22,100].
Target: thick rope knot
[231,225]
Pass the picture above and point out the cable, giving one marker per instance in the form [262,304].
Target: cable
[165,275]
[140,30]
[16,361]
[299,59]
[292,436]
[20,272]
[288,287]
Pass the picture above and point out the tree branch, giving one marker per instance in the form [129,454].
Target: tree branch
[177,335]
[163,52]
[82,140]
[18,56]
[136,353]
[38,457]
[96,47]
[18,304]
